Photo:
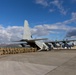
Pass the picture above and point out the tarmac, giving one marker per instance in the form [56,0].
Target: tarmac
[55,62]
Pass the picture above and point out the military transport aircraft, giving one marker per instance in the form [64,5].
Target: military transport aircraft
[38,43]
[27,37]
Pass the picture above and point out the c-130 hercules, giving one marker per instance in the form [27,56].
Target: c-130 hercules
[37,43]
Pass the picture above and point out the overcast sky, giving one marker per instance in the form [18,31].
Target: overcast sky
[54,19]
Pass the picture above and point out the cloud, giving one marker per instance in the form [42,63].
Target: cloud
[72,31]
[58,4]
[47,29]
[42,2]
[51,10]
[54,3]
[73,1]
[71,34]
[12,33]
[41,30]
[74,15]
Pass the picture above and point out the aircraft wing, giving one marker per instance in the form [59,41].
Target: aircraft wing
[38,39]
[63,41]
[31,40]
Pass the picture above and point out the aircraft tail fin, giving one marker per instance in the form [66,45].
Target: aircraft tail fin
[27,33]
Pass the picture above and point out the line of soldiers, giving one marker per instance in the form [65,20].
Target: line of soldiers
[16,50]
